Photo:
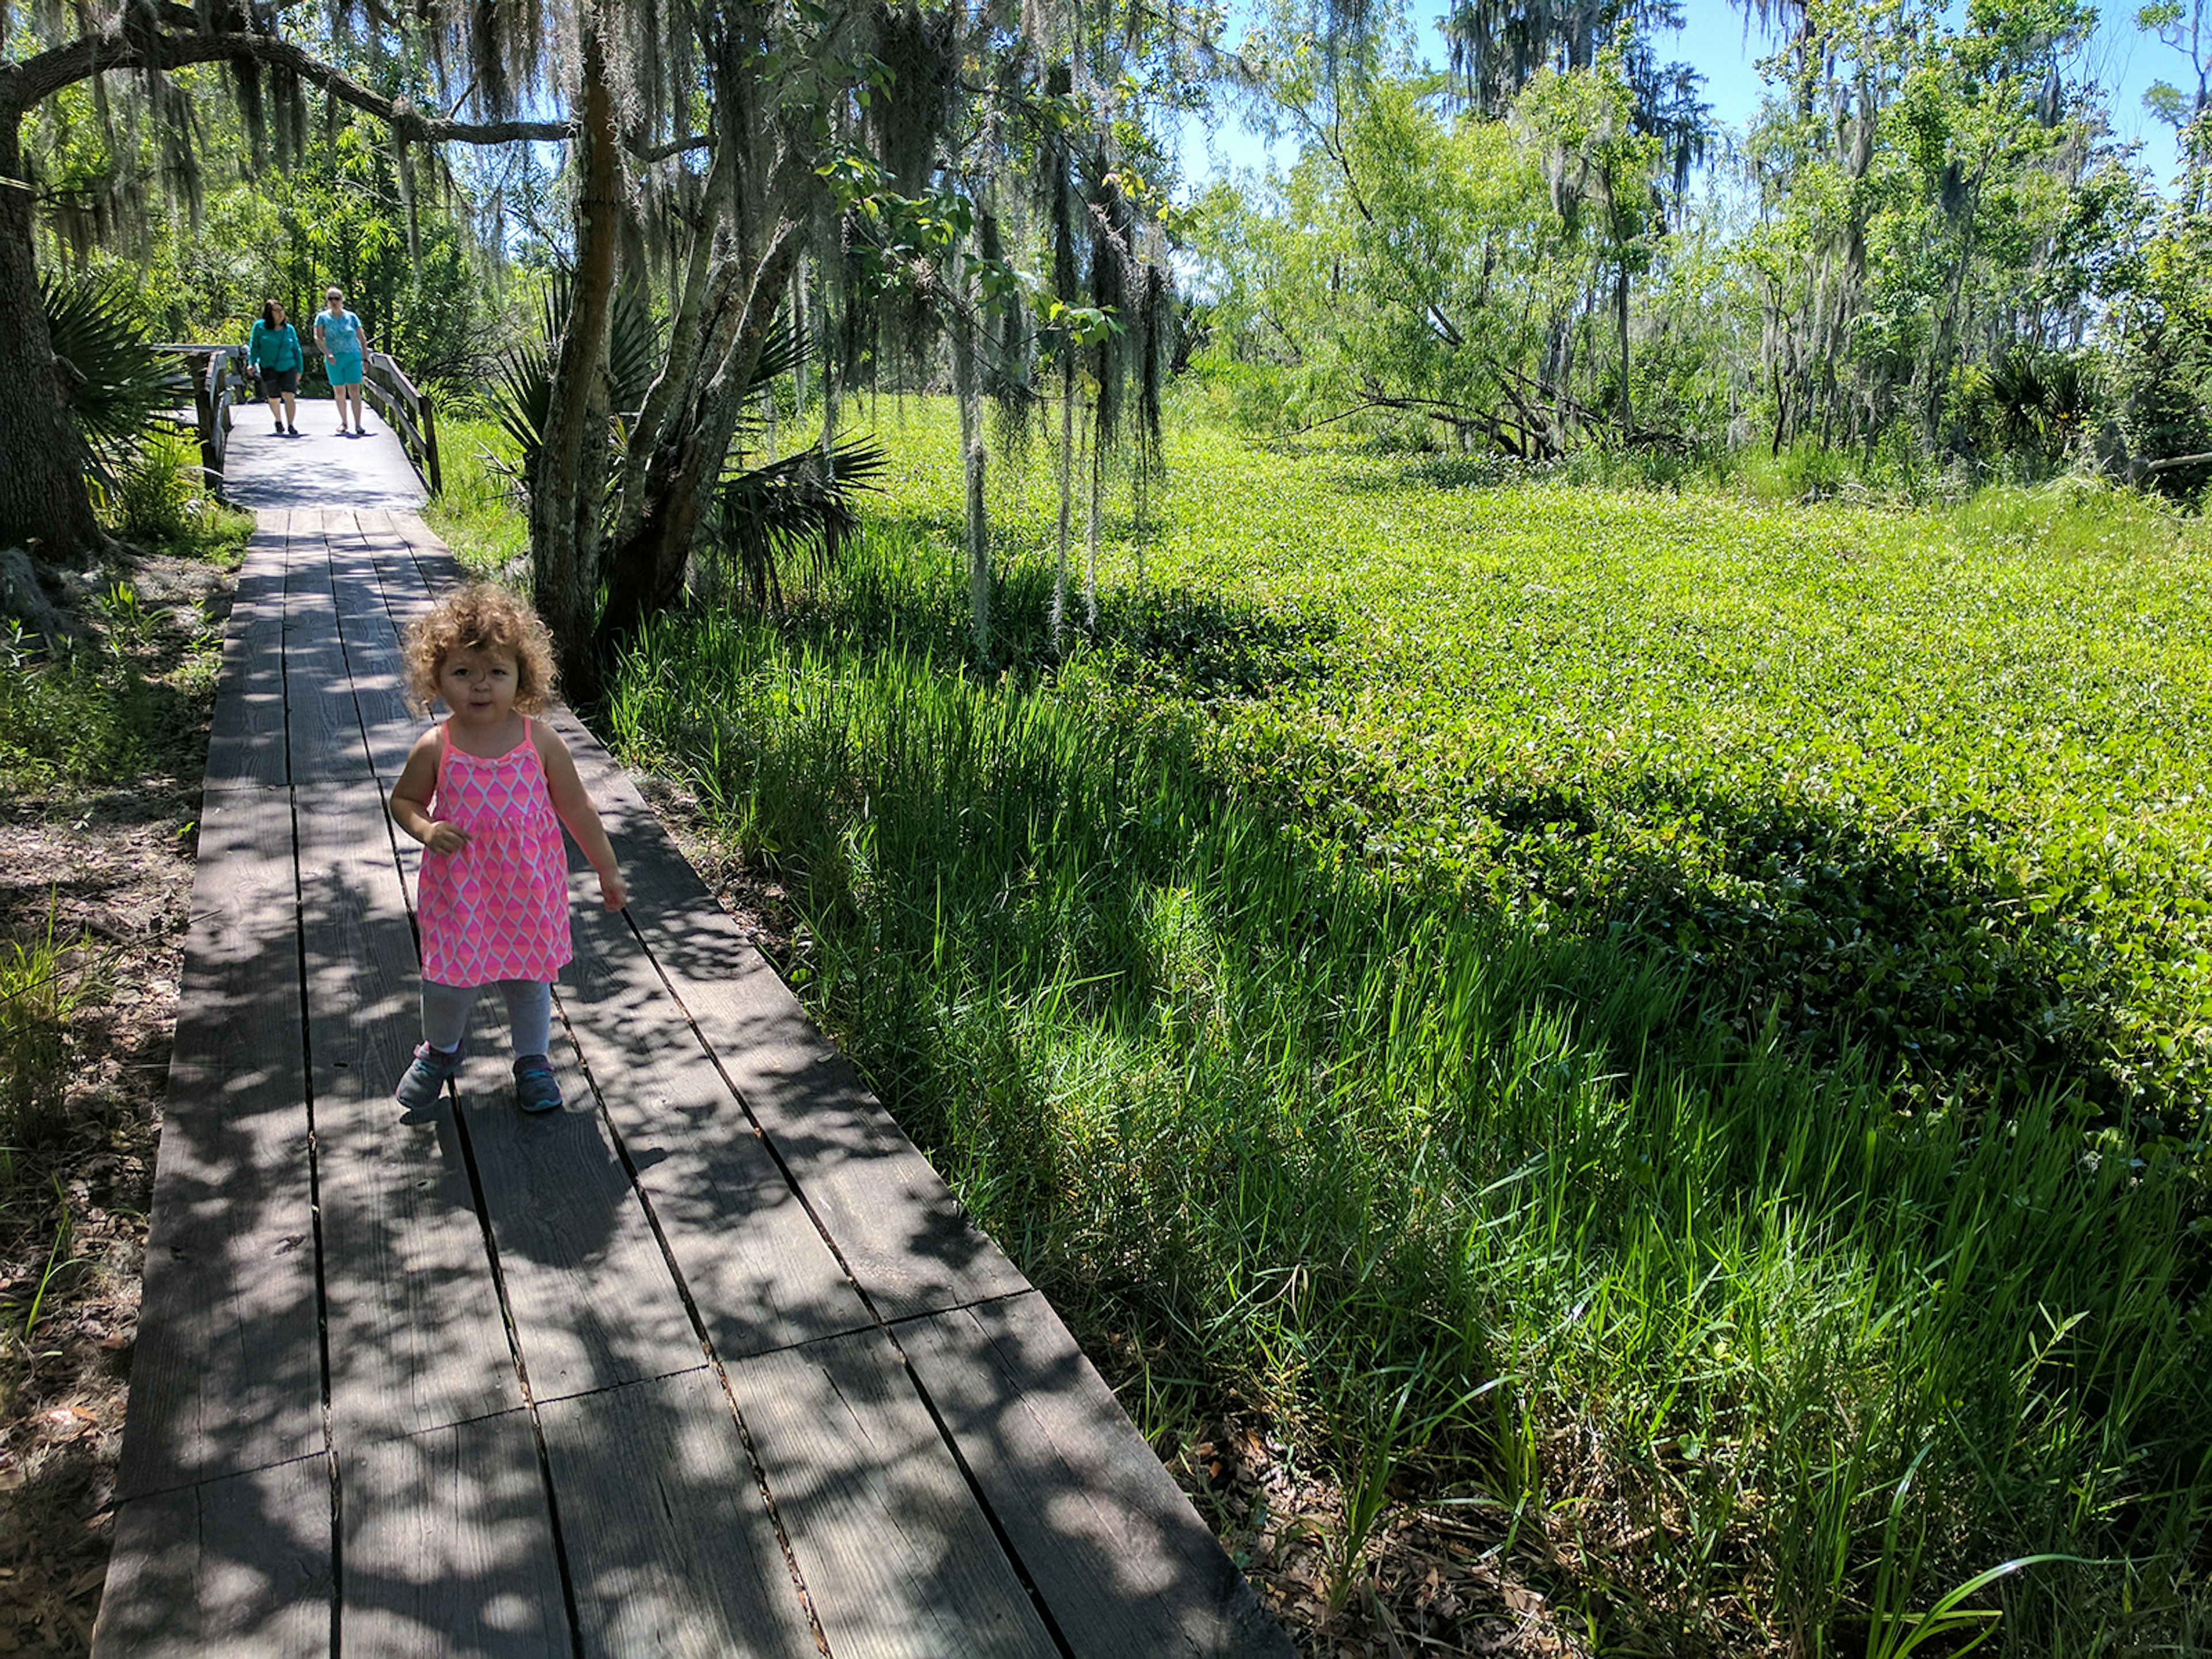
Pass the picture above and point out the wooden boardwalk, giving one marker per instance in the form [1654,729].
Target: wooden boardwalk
[710,1364]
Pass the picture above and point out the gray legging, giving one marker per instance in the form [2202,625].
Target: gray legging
[529,1011]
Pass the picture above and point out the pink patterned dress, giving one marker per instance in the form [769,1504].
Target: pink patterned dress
[499,908]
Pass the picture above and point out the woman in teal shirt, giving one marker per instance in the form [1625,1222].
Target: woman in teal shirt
[342,340]
[274,350]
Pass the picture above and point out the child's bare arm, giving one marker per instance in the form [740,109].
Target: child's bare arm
[410,799]
[574,805]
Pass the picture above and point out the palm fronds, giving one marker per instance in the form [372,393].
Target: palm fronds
[2038,402]
[521,391]
[113,379]
[792,510]
[764,519]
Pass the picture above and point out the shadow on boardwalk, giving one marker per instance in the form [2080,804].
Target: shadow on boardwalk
[711,1362]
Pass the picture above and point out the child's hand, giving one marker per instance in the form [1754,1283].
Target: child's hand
[614,891]
[446,837]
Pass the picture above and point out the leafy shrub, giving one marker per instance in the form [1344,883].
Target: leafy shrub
[76,720]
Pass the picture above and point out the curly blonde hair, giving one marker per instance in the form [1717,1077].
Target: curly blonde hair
[481,618]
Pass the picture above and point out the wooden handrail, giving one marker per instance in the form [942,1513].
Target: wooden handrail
[388,387]
[214,391]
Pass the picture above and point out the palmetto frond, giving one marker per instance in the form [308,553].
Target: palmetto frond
[113,379]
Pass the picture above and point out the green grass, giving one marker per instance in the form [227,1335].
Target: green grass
[129,698]
[43,980]
[476,514]
[1937,784]
[1660,1016]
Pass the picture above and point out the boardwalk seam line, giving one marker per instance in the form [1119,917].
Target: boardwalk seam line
[238,1473]
[307,1097]
[597,1389]
[714,1361]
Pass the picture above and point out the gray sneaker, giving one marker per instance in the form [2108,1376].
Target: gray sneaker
[535,1086]
[426,1079]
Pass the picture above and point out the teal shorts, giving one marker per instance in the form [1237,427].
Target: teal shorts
[346,370]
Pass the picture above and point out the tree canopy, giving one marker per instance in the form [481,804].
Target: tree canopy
[1927,245]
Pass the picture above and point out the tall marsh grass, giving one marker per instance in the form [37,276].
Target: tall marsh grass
[478,514]
[1456,1198]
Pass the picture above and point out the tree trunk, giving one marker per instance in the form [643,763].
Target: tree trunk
[1092,521]
[566,493]
[44,508]
[644,569]
[1620,314]
[971,454]
[1067,481]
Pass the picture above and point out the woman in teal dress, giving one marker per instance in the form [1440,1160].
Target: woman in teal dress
[342,340]
[273,348]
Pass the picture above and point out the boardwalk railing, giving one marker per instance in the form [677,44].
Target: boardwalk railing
[407,411]
[220,383]
[218,377]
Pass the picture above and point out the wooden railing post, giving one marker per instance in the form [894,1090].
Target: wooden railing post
[430,446]
[406,410]
[207,388]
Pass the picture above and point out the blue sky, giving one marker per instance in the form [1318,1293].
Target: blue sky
[2121,58]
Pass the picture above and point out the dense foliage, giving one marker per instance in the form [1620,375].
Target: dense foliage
[1677,1025]
[421,275]
[1927,247]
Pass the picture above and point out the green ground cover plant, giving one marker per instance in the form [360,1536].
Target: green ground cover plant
[478,515]
[130,695]
[1676,1023]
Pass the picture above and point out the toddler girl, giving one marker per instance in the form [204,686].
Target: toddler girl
[486,792]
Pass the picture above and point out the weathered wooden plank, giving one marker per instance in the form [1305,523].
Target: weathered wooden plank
[756,1264]
[448,1546]
[323,729]
[1111,1543]
[372,651]
[592,1298]
[239,1566]
[411,560]
[440,571]
[416,1340]
[900,1561]
[262,471]
[901,1233]
[246,736]
[226,1374]
[670,1547]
